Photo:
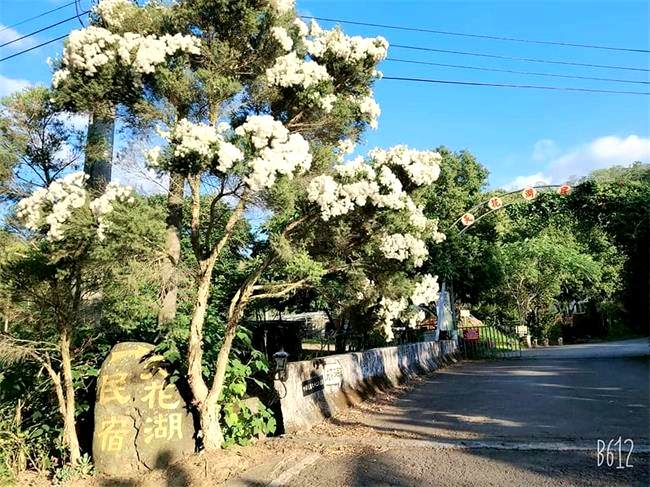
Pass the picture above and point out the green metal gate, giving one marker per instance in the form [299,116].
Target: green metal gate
[488,341]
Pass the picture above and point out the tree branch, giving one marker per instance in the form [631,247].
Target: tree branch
[288,287]
[195,185]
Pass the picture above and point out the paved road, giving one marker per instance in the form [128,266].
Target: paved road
[534,422]
[624,348]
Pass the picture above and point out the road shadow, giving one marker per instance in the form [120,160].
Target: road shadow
[567,401]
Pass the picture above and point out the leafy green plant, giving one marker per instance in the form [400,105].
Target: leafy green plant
[241,421]
[82,469]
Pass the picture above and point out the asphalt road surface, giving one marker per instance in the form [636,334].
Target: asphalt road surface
[542,420]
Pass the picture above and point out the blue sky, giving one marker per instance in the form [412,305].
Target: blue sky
[521,136]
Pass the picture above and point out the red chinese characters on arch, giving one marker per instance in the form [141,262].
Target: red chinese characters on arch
[495,203]
[529,193]
[564,190]
[467,219]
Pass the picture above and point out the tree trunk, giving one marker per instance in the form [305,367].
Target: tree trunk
[212,436]
[206,402]
[210,426]
[21,456]
[169,271]
[99,149]
[70,437]
[195,344]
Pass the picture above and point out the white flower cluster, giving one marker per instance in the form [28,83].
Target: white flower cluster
[93,47]
[416,215]
[53,206]
[281,6]
[327,102]
[402,247]
[152,156]
[415,318]
[192,137]
[369,107]
[113,12]
[345,146]
[200,139]
[60,198]
[282,36]
[290,70]
[389,310]
[337,199]
[359,182]
[422,167]
[426,291]
[103,205]
[303,29]
[278,151]
[336,43]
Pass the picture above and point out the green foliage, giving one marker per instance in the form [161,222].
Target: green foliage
[83,469]
[467,260]
[243,422]
[36,141]
[612,207]
[30,430]
[247,375]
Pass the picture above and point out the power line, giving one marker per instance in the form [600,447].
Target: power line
[36,16]
[79,14]
[34,47]
[504,85]
[515,58]
[42,30]
[482,36]
[531,73]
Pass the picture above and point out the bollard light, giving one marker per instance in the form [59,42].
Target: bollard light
[281,364]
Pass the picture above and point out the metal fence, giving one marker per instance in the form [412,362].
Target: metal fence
[494,340]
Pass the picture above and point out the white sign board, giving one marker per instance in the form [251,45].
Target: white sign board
[332,374]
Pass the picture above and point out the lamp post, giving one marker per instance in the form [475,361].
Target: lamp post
[281,364]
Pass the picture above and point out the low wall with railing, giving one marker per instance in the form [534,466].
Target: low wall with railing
[320,388]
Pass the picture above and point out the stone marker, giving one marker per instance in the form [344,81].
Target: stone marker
[141,421]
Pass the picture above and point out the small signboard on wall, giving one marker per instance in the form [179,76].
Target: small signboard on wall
[312,385]
[333,374]
[522,330]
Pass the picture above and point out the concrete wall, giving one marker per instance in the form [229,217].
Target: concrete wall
[320,388]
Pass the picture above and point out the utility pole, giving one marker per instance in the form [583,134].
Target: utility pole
[99,149]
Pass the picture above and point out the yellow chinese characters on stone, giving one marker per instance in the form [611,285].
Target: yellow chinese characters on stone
[112,388]
[157,395]
[163,428]
[113,432]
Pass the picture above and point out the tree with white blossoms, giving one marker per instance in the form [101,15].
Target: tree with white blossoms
[68,257]
[374,228]
[255,107]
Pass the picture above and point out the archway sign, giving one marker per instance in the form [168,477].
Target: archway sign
[480,211]
[497,202]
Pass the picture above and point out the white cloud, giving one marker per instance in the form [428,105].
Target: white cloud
[544,149]
[11,85]
[7,34]
[558,166]
[525,181]
[600,153]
